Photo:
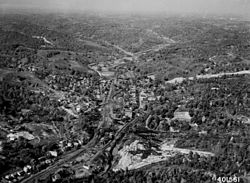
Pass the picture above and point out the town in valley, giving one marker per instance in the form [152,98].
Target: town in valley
[102,97]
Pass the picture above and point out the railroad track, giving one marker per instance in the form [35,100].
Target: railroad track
[53,168]
[118,135]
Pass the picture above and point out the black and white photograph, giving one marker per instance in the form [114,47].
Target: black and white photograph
[124,91]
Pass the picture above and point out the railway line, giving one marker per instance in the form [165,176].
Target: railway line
[45,173]
[73,155]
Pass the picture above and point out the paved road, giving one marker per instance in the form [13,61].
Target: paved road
[75,154]
[119,48]
[207,76]
[69,157]
[124,51]
[107,109]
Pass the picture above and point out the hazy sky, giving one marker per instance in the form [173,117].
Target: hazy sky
[195,6]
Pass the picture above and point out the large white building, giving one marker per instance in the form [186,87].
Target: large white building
[182,116]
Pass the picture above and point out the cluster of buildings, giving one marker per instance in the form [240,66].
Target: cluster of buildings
[18,175]
[42,162]
[68,83]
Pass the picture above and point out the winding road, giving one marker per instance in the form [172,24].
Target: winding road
[106,117]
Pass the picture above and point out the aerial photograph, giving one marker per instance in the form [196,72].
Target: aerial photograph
[124,91]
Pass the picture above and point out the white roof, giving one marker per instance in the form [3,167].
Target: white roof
[25,135]
[182,115]
[53,153]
